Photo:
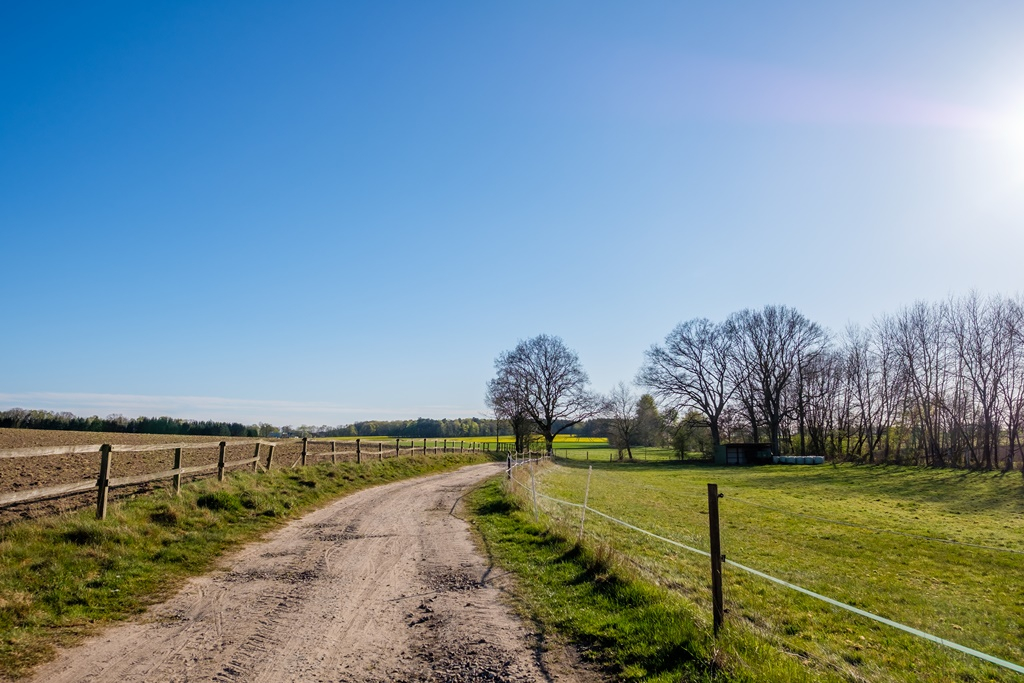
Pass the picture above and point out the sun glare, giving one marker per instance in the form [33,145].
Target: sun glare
[1005,131]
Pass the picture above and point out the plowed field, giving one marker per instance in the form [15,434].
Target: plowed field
[22,473]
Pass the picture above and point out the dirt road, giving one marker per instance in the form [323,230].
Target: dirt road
[384,585]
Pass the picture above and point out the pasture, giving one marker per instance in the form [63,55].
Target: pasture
[941,551]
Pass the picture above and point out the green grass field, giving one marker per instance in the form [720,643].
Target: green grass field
[782,520]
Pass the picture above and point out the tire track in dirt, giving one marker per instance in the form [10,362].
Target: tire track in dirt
[383,585]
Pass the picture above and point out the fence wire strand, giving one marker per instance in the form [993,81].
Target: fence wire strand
[835,603]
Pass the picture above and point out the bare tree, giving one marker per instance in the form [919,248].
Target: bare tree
[772,345]
[982,333]
[551,383]
[623,419]
[691,370]
[923,353]
[1011,389]
[509,404]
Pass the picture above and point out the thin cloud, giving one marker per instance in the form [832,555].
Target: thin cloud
[220,408]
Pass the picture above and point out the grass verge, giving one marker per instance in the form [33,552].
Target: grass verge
[636,630]
[62,577]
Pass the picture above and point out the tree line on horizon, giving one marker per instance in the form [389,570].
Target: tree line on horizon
[20,418]
[457,428]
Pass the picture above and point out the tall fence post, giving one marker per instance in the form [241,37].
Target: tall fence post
[334,456]
[444,446]
[270,458]
[462,447]
[533,486]
[359,453]
[435,446]
[103,482]
[380,451]
[303,451]
[177,466]
[220,462]
[256,457]
[397,451]
[716,558]
[508,466]
[586,497]
[424,446]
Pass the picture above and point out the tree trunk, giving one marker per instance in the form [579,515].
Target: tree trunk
[716,439]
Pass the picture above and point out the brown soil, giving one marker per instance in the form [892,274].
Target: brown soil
[384,585]
[50,470]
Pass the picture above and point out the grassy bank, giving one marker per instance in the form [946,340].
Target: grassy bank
[635,629]
[801,524]
[61,577]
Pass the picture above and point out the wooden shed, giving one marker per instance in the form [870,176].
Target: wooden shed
[743,454]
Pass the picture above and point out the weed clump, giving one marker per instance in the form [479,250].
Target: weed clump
[82,534]
[165,515]
[219,501]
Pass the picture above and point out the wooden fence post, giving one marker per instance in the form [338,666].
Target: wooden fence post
[334,458]
[103,483]
[256,457]
[380,451]
[508,466]
[424,446]
[397,449]
[462,447]
[435,446]
[718,604]
[220,462]
[533,486]
[359,453]
[444,446]
[270,457]
[177,466]
[586,497]
[303,451]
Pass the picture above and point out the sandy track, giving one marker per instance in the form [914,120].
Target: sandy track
[384,585]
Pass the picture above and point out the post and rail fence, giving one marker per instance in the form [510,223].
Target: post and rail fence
[108,460]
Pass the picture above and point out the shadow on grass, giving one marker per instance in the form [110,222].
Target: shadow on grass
[636,465]
[955,491]
[633,628]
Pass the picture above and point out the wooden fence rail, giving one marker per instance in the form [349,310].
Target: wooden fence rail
[108,452]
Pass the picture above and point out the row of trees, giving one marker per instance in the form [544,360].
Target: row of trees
[458,428]
[938,384]
[20,418]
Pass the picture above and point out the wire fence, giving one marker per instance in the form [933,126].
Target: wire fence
[585,507]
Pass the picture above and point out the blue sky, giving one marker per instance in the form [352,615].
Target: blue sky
[325,212]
